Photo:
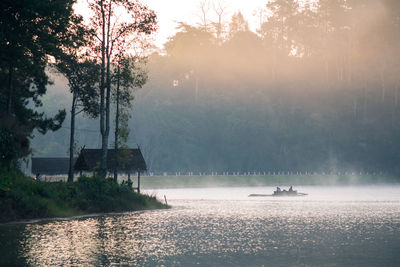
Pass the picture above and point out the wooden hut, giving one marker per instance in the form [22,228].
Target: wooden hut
[50,166]
[129,161]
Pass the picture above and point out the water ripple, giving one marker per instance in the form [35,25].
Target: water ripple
[218,232]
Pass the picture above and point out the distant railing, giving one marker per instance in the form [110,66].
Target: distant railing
[123,177]
[264,173]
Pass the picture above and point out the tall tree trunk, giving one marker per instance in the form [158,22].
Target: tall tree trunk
[116,131]
[107,113]
[327,71]
[104,150]
[72,141]
[138,182]
[365,101]
[394,109]
[103,167]
[196,92]
[107,57]
[383,85]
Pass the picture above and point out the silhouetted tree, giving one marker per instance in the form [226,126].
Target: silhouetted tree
[83,77]
[129,76]
[237,24]
[116,23]
[31,32]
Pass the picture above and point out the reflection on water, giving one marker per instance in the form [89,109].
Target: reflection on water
[223,227]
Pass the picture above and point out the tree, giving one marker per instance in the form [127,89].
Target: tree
[189,49]
[82,74]
[281,24]
[238,24]
[131,76]
[82,79]
[204,7]
[115,23]
[30,32]
[219,10]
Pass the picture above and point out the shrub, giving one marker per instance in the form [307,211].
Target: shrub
[24,198]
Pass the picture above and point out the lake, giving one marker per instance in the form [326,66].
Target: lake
[332,226]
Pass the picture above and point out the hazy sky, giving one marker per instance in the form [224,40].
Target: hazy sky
[171,11]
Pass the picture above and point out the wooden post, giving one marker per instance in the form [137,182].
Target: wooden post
[138,182]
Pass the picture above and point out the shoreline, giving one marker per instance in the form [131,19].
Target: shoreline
[74,217]
[24,199]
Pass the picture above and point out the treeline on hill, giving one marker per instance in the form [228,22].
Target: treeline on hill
[316,87]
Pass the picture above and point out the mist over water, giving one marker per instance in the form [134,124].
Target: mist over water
[334,226]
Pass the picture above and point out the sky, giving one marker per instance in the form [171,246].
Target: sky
[170,12]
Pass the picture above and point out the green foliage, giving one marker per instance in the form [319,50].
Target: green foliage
[118,27]
[24,198]
[131,76]
[13,142]
[31,32]
[83,78]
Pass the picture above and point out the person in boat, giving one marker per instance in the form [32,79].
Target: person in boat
[291,189]
[278,189]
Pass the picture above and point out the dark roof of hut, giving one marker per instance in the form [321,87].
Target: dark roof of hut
[50,166]
[129,160]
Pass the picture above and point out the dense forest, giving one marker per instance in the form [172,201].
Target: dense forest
[314,88]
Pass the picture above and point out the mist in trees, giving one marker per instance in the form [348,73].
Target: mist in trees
[314,88]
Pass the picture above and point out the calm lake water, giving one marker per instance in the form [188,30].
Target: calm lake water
[332,226]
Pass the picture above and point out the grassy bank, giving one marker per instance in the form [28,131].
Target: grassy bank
[150,182]
[24,198]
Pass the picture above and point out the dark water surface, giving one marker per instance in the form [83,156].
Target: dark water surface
[332,226]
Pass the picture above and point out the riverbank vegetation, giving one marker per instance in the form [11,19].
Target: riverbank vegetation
[24,198]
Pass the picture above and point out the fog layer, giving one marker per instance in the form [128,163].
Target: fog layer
[314,89]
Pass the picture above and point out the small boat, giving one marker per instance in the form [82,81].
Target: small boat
[281,193]
[285,193]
